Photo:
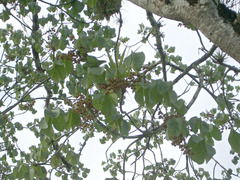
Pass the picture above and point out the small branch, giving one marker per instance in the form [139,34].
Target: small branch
[194,64]
[236,175]
[23,97]
[35,28]
[119,32]
[126,114]
[125,156]
[59,7]
[63,4]
[195,96]
[200,39]
[120,135]
[58,152]
[24,24]
[157,35]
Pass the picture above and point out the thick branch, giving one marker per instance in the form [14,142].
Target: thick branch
[35,28]
[203,15]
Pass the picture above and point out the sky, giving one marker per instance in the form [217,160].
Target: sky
[187,44]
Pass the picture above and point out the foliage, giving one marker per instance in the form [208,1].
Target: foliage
[68,60]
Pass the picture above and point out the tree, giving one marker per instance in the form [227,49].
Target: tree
[211,17]
[64,56]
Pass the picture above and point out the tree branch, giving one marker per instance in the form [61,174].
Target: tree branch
[158,37]
[194,64]
[203,15]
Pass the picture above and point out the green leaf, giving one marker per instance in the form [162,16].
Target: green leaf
[43,124]
[154,92]
[68,66]
[71,87]
[204,128]
[72,158]
[163,87]
[106,104]
[234,141]
[195,123]
[200,150]
[196,139]
[57,72]
[55,161]
[174,126]
[135,60]
[93,62]
[139,95]
[59,123]
[210,152]
[31,174]
[221,103]
[100,42]
[22,170]
[180,107]
[125,127]
[73,119]
[109,104]
[34,8]
[216,133]
[49,130]
[171,49]
[4,15]
[52,113]
[40,171]
[97,101]
[63,43]
[77,7]
[97,70]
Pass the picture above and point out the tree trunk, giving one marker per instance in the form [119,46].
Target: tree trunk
[202,14]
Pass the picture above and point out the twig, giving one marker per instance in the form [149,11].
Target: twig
[125,156]
[194,64]
[195,96]
[200,38]
[58,151]
[116,45]
[236,175]
[23,97]
[159,43]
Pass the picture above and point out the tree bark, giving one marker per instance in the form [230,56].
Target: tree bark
[203,15]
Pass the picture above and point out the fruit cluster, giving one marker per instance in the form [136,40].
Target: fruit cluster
[74,55]
[179,141]
[176,141]
[117,84]
[83,106]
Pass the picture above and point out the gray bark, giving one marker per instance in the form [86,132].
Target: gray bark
[203,15]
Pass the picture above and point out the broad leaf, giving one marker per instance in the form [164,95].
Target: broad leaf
[135,60]
[57,72]
[73,119]
[200,150]
[234,141]
[195,123]
[52,113]
[174,126]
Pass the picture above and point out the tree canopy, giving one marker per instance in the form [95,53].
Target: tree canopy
[64,57]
